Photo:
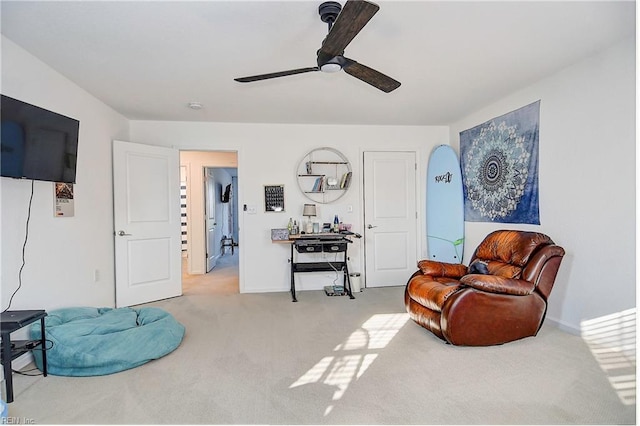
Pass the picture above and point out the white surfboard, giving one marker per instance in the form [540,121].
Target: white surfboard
[445,206]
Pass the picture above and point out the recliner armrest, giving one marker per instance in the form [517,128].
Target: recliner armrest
[441,269]
[498,284]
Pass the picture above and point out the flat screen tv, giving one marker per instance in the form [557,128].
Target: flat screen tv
[36,143]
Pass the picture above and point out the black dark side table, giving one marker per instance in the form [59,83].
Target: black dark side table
[12,321]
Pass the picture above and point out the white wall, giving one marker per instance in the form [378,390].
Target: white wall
[61,253]
[587,181]
[269,155]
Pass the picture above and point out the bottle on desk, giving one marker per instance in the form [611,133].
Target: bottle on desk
[336,224]
[290,226]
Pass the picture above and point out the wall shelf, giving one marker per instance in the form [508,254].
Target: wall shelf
[324,175]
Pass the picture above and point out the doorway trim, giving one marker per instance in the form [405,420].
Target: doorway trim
[196,162]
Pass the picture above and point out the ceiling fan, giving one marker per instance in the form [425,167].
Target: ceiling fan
[344,24]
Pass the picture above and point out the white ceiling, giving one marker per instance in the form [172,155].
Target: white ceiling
[149,59]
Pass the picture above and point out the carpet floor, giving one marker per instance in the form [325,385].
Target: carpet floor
[261,359]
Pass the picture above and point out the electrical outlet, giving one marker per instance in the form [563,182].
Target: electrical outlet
[96,275]
[349,209]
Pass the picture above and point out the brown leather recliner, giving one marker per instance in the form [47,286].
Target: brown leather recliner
[500,297]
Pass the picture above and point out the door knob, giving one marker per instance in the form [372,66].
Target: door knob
[122,233]
[370,226]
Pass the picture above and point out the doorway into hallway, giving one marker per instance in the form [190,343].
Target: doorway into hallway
[221,280]
[209,181]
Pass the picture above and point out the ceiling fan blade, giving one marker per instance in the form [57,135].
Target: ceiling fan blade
[371,76]
[275,74]
[354,16]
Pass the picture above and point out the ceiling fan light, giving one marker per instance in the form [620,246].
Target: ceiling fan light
[330,67]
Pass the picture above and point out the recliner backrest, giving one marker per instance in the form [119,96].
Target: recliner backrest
[512,247]
[506,252]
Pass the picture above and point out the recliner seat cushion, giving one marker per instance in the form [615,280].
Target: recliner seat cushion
[497,284]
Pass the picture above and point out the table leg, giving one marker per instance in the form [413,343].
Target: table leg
[6,364]
[347,279]
[43,344]
[293,282]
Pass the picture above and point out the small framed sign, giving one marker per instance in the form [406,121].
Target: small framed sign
[274,198]
[63,193]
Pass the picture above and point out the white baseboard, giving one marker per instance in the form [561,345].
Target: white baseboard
[19,363]
[564,326]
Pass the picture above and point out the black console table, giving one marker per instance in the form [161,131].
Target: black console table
[12,321]
[320,243]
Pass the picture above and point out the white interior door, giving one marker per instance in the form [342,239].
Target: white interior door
[390,217]
[210,218]
[146,199]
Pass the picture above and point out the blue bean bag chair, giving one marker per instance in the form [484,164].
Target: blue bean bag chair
[99,341]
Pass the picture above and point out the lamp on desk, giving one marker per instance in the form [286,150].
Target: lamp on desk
[309,210]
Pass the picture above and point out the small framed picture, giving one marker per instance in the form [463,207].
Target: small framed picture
[280,234]
[274,198]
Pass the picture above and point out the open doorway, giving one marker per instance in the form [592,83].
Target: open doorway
[210,245]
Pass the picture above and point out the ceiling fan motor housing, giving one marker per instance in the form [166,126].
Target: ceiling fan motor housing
[329,11]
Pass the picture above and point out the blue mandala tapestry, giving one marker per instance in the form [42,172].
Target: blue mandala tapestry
[499,162]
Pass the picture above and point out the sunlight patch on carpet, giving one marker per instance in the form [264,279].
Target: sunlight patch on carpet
[341,369]
[612,341]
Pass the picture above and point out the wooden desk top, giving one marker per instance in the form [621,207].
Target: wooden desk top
[292,238]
